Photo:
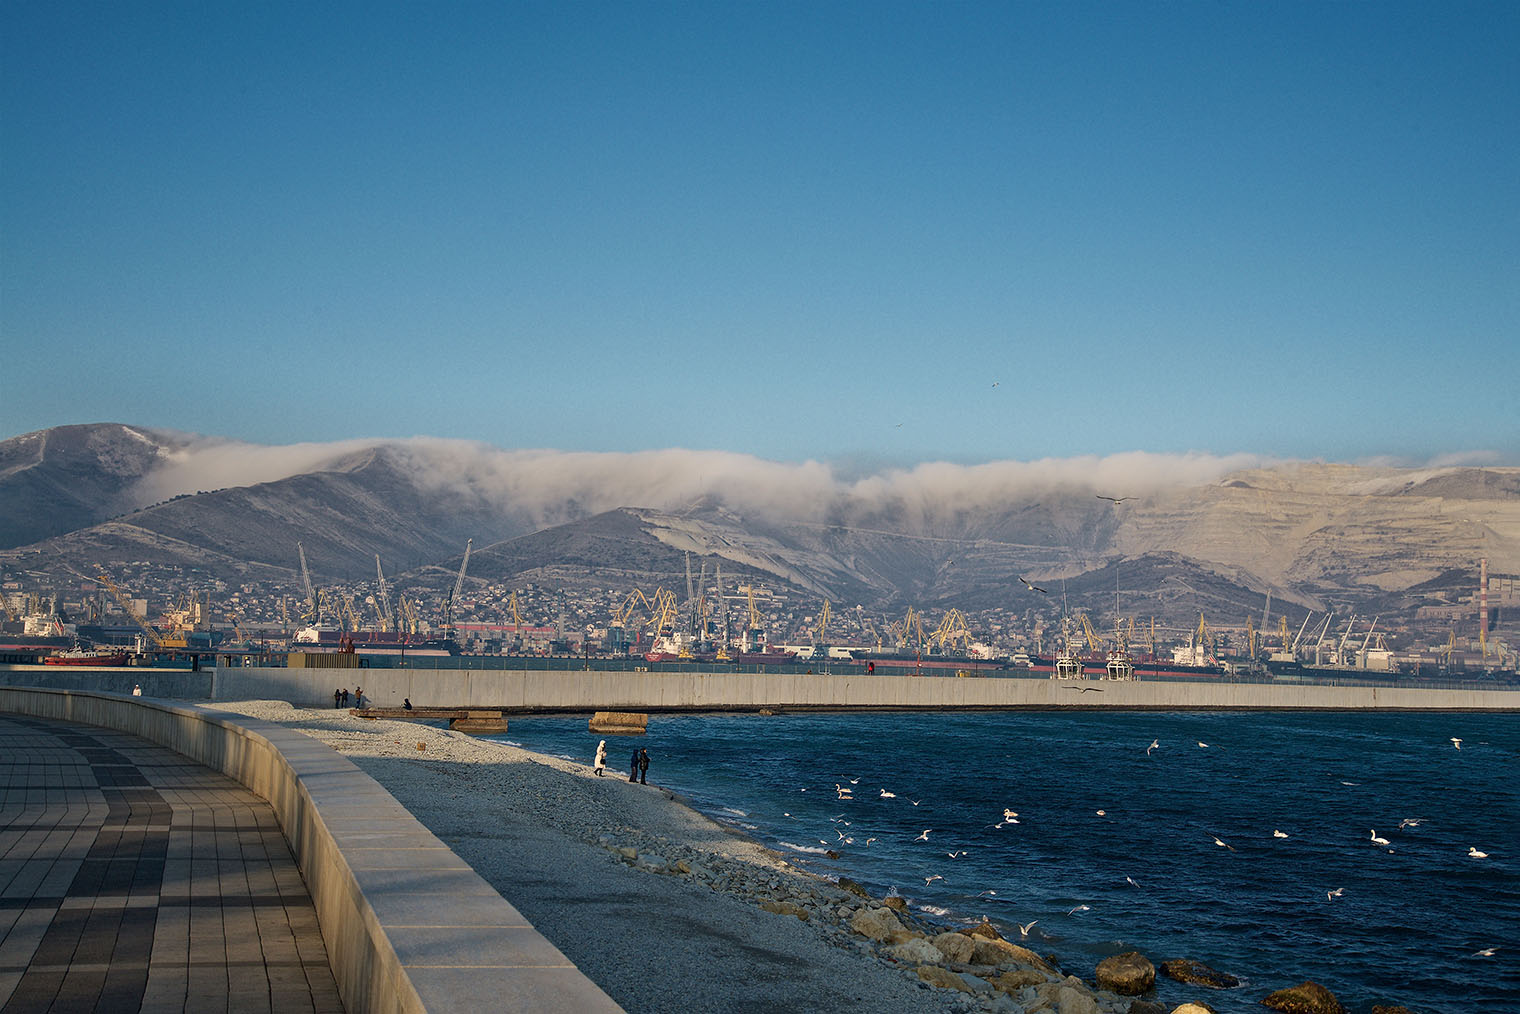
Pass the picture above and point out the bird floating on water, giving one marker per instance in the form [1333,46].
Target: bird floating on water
[1376,840]
[1203,745]
[1278,834]
[1101,813]
[888,795]
[1475,854]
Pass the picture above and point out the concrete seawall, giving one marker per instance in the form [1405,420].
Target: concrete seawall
[528,691]
[409,927]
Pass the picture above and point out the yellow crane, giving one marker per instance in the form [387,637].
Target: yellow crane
[951,629]
[823,623]
[127,607]
[1094,642]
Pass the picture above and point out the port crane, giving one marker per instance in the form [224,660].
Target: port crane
[313,611]
[455,592]
[383,599]
[127,607]
[951,629]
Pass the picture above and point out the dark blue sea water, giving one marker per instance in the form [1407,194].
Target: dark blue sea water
[1146,873]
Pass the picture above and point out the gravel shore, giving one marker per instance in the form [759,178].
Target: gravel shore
[656,903]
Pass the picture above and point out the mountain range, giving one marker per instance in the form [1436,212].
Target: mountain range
[1180,536]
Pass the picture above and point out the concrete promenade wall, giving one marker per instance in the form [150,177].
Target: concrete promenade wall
[409,926]
[577,691]
[181,684]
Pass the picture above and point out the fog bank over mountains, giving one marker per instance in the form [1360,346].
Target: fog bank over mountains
[1313,533]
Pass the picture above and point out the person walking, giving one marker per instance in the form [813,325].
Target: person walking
[600,764]
[633,767]
[337,697]
[643,767]
[358,697]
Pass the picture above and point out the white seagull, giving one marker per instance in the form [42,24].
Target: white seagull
[1407,822]
[930,880]
[1155,745]
[1203,745]
[1335,893]
[1278,834]
[1456,742]
[1025,927]
[925,835]
[1223,845]
[1486,952]
[1079,908]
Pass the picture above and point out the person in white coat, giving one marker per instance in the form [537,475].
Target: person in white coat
[600,764]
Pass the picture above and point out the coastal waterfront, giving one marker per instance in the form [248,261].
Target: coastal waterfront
[1407,927]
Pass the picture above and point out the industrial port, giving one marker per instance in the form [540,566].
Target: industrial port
[158,614]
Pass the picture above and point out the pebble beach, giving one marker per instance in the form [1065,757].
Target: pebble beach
[665,909]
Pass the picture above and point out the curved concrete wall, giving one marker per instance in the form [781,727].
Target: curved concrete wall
[409,927]
[575,691]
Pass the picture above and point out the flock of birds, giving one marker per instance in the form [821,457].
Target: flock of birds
[844,791]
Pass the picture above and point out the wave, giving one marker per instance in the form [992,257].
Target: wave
[814,849]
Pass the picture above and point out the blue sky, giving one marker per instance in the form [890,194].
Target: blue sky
[796,231]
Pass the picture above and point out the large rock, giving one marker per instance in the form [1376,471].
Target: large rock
[785,908]
[1001,952]
[1191,1008]
[943,978]
[1128,974]
[917,951]
[1196,973]
[1012,982]
[1305,998]
[983,929]
[895,902]
[1379,1008]
[879,924]
[955,947]
[846,884]
[1064,998]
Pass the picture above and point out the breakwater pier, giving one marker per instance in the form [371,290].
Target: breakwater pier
[527,691]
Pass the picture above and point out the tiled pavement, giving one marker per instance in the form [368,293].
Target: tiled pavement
[132,878]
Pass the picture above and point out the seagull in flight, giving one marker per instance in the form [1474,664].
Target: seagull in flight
[1202,745]
[1032,587]
[924,836]
[1486,952]
[1456,742]
[1086,690]
[1115,499]
[1132,881]
[1335,893]
[1408,822]
[1155,745]
[930,880]
[1025,927]
[1223,845]
[1079,908]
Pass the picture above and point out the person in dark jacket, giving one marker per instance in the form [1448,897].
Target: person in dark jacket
[643,767]
[633,767]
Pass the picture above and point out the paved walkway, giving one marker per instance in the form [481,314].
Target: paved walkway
[132,878]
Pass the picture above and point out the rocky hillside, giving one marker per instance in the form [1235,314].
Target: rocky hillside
[1314,535]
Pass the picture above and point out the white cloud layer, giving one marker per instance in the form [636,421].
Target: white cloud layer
[554,486]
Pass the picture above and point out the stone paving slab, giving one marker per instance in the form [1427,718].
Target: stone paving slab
[134,879]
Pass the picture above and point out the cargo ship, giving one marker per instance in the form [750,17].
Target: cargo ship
[87,656]
[371,642]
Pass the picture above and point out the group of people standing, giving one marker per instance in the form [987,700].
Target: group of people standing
[638,764]
[340,697]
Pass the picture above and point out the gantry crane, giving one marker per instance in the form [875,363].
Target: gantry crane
[387,620]
[313,612]
[455,592]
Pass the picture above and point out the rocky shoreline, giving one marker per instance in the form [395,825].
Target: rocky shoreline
[667,910]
